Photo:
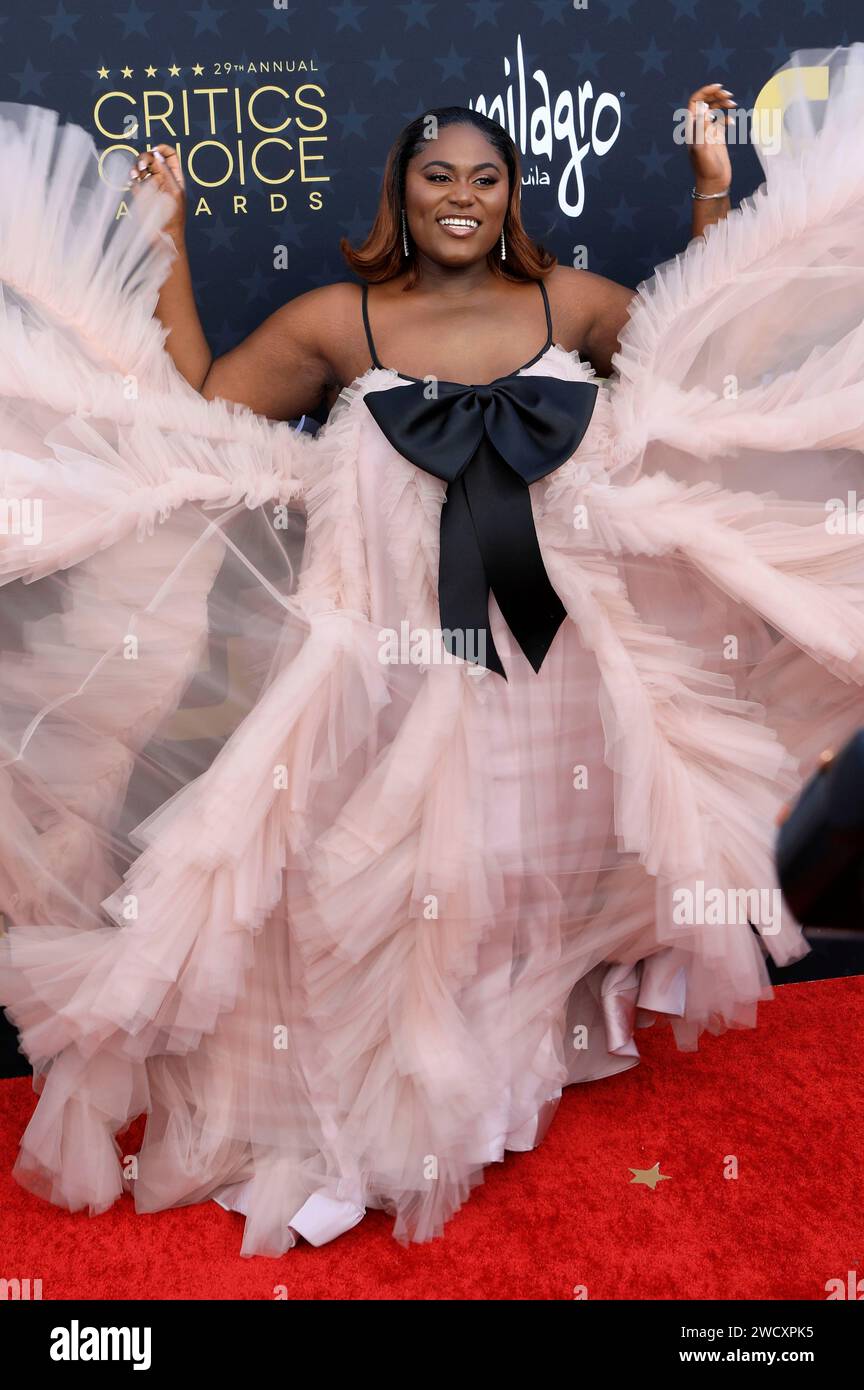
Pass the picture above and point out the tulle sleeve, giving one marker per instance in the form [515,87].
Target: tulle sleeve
[102,436]
[131,524]
[739,386]
[753,337]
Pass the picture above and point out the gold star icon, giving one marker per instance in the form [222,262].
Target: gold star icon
[649,1176]
[103,72]
[198,70]
[127,72]
[174,70]
[151,71]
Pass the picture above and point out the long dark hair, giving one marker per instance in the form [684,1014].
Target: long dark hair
[380,257]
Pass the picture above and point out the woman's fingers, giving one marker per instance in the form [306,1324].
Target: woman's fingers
[714,94]
[169,154]
[711,98]
[162,164]
[708,111]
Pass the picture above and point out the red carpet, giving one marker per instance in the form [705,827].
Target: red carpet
[784,1099]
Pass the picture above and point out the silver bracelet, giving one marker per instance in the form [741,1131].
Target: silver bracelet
[724,194]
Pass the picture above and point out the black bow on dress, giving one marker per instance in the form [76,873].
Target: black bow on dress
[488,443]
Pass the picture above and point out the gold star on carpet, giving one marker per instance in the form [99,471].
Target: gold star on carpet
[127,72]
[174,70]
[103,72]
[649,1176]
[151,71]
[198,70]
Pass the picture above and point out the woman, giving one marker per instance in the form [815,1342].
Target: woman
[341,877]
[300,358]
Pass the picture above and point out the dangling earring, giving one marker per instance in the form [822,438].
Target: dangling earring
[503,248]
[404,233]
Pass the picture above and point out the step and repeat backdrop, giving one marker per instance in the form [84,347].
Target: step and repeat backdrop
[282,114]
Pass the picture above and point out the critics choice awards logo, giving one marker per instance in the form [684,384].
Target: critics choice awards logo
[241,131]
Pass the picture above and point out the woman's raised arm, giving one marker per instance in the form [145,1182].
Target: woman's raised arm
[709,113]
[282,369]
[594,309]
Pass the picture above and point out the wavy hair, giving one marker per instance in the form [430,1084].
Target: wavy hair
[380,256]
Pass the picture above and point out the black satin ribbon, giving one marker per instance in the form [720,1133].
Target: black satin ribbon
[489,443]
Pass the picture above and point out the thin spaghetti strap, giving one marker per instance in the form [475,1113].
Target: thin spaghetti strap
[548,314]
[372,353]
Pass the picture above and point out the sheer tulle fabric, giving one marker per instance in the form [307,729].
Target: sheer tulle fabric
[345,928]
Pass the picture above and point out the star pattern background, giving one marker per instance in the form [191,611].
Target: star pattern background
[384,62]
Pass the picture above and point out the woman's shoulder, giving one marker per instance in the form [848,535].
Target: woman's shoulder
[580,300]
[326,317]
[331,301]
[333,313]
[575,288]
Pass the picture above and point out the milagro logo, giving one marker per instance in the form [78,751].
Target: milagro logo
[579,122]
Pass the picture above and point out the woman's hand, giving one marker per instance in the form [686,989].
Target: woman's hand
[176,309]
[162,164]
[707,117]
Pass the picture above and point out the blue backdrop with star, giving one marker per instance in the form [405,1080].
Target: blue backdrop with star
[283,114]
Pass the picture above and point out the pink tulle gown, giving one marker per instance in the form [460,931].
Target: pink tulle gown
[345,927]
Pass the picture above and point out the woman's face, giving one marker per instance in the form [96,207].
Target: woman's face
[460,175]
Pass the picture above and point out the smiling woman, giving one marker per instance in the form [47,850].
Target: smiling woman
[450,205]
[450,164]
